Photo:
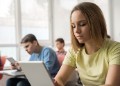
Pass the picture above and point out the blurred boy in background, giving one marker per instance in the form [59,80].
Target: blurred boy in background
[59,43]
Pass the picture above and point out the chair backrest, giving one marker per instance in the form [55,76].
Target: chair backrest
[60,58]
[3,60]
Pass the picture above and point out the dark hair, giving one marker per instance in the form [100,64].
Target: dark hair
[61,40]
[28,38]
[96,22]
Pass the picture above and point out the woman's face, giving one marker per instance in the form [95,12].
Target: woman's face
[80,27]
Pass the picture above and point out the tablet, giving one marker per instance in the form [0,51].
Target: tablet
[36,73]
[11,60]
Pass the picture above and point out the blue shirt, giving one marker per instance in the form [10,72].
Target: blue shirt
[49,57]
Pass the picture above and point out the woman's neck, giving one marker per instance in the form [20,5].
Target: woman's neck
[91,47]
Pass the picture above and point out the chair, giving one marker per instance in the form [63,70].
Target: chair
[60,58]
[3,60]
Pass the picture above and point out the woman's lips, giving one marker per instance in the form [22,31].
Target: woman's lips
[79,36]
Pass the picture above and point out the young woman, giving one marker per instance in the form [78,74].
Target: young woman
[96,57]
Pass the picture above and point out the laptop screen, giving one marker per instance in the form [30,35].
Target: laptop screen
[36,73]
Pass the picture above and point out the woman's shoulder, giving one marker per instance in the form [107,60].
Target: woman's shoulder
[112,45]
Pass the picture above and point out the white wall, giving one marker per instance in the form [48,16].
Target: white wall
[116,19]
[61,24]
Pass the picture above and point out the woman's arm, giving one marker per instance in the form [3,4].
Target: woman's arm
[63,74]
[113,76]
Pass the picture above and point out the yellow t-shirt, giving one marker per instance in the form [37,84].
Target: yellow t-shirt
[93,68]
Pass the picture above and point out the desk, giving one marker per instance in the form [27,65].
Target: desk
[8,74]
[11,72]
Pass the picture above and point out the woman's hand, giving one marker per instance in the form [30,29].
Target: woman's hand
[55,82]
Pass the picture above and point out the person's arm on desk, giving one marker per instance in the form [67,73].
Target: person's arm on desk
[63,75]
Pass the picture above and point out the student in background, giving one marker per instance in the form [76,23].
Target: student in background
[59,43]
[96,57]
[38,53]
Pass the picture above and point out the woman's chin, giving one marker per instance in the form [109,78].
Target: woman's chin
[80,41]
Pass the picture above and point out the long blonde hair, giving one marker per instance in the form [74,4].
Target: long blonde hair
[95,21]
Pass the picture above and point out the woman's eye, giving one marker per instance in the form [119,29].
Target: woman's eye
[73,26]
[82,24]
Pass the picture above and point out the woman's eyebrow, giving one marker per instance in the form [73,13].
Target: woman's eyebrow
[79,21]
[83,21]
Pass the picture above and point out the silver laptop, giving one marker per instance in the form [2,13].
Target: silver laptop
[36,73]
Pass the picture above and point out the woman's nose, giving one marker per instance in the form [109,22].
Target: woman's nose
[77,29]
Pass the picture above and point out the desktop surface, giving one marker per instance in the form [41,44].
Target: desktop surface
[11,72]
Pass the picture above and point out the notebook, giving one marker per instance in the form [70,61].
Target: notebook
[36,73]
[11,72]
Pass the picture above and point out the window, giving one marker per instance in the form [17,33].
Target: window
[18,18]
[7,28]
[35,18]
